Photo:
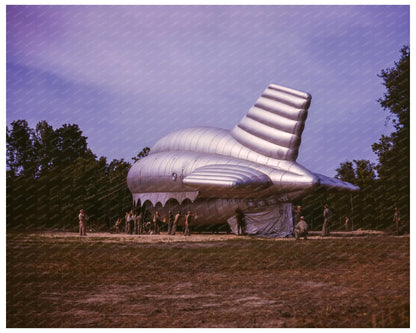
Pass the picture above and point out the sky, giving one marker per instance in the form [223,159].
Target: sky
[128,75]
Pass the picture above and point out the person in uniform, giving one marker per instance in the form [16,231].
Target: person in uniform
[140,223]
[188,221]
[129,222]
[117,225]
[134,219]
[170,222]
[147,226]
[296,216]
[347,223]
[240,222]
[156,223]
[327,221]
[301,229]
[83,218]
[396,220]
[126,222]
[175,222]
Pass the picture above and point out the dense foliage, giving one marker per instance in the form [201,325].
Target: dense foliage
[384,185]
[51,175]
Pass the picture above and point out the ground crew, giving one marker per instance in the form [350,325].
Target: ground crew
[188,222]
[134,222]
[301,229]
[170,222]
[117,225]
[396,220]
[296,216]
[129,223]
[156,223]
[175,222]
[83,219]
[347,223]
[327,221]
[140,224]
[241,225]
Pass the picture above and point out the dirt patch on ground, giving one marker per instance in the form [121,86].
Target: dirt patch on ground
[355,279]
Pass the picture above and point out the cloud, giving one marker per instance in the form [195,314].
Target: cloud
[130,74]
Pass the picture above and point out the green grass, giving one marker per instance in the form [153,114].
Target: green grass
[359,282]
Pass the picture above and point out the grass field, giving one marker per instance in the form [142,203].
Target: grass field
[63,280]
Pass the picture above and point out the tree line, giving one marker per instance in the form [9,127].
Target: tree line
[385,184]
[51,173]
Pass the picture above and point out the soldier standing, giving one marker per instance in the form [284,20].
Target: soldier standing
[117,225]
[396,220]
[134,219]
[156,223]
[347,223]
[188,221]
[240,221]
[301,229]
[83,218]
[296,216]
[147,227]
[140,223]
[129,222]
[175,222]
[327,221]
[170,222]
[126,222]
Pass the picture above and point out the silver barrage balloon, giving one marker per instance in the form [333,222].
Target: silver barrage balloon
[213,171]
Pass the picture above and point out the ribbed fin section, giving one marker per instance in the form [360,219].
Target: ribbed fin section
[274,125]
[227,178]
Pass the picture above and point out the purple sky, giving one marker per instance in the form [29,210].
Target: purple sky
[128,75]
